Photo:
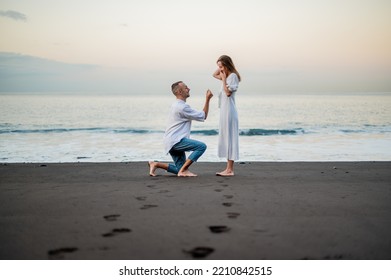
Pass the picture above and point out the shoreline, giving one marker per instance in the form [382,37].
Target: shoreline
[223,161]
[269,210]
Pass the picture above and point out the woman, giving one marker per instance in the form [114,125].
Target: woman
[228,146]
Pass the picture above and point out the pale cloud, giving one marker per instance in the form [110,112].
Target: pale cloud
[302,45]
[13,15]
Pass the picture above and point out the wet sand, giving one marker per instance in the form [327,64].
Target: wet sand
[329,210]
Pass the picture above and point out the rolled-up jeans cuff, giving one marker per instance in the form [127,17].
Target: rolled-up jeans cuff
[172,168]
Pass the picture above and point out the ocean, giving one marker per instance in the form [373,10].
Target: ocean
[120,128]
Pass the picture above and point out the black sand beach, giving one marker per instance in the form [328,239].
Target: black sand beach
[329,210]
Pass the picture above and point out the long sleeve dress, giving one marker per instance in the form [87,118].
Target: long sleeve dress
[228,145]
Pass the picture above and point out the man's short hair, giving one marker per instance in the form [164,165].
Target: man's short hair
[174,87]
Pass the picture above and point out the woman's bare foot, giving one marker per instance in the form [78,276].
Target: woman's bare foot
[225,173]
[152,168]
[186,173]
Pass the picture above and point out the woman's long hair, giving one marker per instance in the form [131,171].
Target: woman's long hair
[228,63]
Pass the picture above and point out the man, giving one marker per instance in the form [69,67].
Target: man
[177,137]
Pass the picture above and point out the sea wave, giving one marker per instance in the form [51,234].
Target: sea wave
[5,129]
[87,129]
[253,132]
[267,132]
[205,132]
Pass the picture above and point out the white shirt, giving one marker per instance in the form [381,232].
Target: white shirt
[179,123]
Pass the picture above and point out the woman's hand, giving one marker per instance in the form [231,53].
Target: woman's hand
[216,74]
[223,76]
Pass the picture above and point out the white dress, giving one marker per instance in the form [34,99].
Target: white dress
[228,146]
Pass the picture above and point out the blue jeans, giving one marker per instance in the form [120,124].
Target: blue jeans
[177,153]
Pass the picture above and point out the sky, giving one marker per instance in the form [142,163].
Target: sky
[145,46]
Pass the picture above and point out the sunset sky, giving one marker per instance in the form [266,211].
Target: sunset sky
[288,46]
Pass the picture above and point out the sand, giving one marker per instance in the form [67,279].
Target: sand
[288,211]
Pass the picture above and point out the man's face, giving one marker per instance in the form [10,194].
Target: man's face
[185,90]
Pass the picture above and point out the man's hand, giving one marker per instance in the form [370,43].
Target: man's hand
[209,94]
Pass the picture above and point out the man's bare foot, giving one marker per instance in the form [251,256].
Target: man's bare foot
[152,168]
[186,173]
[225,173]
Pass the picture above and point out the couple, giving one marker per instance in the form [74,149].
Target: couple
[177,136]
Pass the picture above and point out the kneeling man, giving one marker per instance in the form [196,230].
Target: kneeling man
[177,136]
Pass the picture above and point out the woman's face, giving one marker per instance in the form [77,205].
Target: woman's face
[221,67]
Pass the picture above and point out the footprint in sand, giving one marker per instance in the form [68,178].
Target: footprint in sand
[233,215]
[261,230]
[228,196]
[59,253]
[141,198]
[164,191]
[227,204]
[223,183]
[219,229]
[116,231]
[112,217]
[148,206]
[200,252]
